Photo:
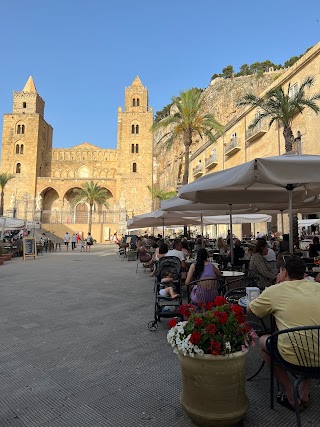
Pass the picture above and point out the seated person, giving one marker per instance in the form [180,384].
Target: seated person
[259,267]
[198,245]
[177,252]
[202,269]
[293,303]
[167,291]
[284,244]
[314,249]
[238,252]
[185,248]
[272,260]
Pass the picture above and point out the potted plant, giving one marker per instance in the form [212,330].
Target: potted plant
[212,348]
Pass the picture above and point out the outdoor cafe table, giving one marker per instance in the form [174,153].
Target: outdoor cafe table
[228,273]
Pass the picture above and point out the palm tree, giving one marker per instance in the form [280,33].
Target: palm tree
[157,194]
[91,193]
[278,105]
[188,121]
[4,178]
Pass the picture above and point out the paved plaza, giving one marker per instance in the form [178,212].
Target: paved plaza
[75,350]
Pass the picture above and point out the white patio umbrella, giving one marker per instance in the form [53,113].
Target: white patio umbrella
[160,218]
[308,222]
[237,219]
[269,181]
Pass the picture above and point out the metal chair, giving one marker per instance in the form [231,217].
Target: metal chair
[305,344]
[241,282]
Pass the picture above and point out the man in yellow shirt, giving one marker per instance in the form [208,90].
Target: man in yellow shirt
[294,302]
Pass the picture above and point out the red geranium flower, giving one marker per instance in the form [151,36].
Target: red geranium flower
[212,329]
[172,323]
[195,338]
[186,309]
[221,316]
[236,309]
[215,348]
[246,328]
[198,321]
[218,301]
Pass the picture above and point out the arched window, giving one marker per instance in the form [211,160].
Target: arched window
[17,149]
[137,128]
[24,105]
[18,168]
[137,148]
[19,129]
[132,148]
[132,128]
[138,102]
[134,102]
[22,128]
[21,149]
[134,167]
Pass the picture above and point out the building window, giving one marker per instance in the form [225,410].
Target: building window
[134,102]
[132,148]
[137,129]
[22,129]
[17,149]
[293,90]
[134,167]
[132,128]
[19,129]
[18,168]
[24,105]
[138,102]
[137,148]
[21,149]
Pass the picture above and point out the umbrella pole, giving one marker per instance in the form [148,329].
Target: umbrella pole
[290,189]
[231,240]
[202,241]
[163,228]
[282,226]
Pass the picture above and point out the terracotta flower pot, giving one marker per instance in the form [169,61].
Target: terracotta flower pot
[213,389]
[2,260]
[7,257]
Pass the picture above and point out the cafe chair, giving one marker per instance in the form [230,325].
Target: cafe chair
[241,282]
[202,291]
[305,344]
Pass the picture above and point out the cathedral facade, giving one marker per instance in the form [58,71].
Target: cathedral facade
[45,178]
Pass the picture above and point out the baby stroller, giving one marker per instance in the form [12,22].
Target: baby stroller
[165,306]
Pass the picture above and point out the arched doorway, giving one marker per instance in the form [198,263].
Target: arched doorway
[81,213]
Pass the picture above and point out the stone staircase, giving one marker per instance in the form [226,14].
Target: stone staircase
[51,236]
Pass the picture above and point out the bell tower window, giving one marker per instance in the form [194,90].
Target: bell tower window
[132,128]
[137,148]
[132,148]
[134,167]
[22,129]
[18,168]
[138,102]
[21,149]
[24,105]
[19,129]
[17,149]
[137,129]
[134,102]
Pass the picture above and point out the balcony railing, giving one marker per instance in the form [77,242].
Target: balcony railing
[257,131]
[211,161]
[232,147]
[198,171]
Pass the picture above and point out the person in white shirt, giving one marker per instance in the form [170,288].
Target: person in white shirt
[67,240]
[177,252]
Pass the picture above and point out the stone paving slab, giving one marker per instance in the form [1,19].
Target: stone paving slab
[75,350]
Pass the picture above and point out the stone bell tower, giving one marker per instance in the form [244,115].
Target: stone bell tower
[135,150]
[26,145]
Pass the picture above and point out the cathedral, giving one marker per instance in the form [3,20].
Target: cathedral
[45,178]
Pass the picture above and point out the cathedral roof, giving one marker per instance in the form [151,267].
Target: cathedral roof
[30,86]
[84,146]
[136,82]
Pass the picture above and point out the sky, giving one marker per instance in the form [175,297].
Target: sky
[82,54]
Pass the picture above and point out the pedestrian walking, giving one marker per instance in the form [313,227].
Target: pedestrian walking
[66,241]
[89,242]
[73,242]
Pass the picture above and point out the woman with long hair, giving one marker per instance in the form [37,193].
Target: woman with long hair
[202,268]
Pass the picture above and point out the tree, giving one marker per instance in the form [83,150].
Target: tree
[91,193]
[157,194]
[4,178]
[188,120]
[280,106]
[228,72]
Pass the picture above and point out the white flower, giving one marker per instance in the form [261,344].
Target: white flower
[228,346]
